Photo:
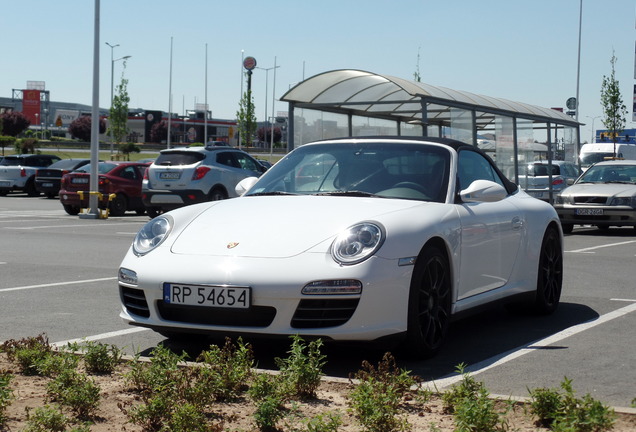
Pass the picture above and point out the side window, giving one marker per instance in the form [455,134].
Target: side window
[129,173]
[473,166]
[227,159]
[247,163]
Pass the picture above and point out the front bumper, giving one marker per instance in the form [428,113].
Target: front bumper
[278,307]
[605,215]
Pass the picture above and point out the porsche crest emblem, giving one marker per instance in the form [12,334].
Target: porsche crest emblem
[232,245]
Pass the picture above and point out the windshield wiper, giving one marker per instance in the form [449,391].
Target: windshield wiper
[272,193]
[353,193]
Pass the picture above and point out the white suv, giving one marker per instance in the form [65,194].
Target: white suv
[190,175]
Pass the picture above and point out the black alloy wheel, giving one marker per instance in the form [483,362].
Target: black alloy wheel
[429,310]
[217,194]
[118,205]
[550,276]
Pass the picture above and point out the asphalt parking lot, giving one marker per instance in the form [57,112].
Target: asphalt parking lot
[59,277]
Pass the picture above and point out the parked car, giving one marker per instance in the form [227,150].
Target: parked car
[395,238]
[17,172]
[536,181]
[605,196]
[120,178]
[191,175]
[48,180]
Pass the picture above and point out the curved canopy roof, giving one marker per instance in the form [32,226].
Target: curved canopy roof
[369,94]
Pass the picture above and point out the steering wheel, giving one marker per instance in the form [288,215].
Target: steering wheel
[411,185]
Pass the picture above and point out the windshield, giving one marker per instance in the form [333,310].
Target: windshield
[387,170]
[102,168]
[609,174]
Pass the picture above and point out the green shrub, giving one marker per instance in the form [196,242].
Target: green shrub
[6,395]
[563,412]
[46,419]
[29,353]
[101,358]
[467,388]
[376,399]
[268,412]
[76,391]
[302,369]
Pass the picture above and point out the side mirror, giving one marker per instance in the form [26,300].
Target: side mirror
[483,191]
[245,185]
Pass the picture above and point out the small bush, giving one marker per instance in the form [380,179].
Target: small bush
[29,353]
[76,391]
[268,412]
[563,412]
[46,419]
[302,369]
[376,399]
[101,358]
[467,388]
[6,395]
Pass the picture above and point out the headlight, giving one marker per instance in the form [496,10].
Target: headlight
[357,243]
[152,234]
[624,201]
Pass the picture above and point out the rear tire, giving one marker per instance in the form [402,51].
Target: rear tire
[429,308]
[30,189]
[118,205]
[567,228]
[217,194]
[550,273]
[72,210]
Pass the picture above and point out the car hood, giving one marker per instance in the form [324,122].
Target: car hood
[600,189]
[278,227]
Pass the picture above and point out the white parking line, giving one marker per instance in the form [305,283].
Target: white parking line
[67,226]
[100,336]
[513,354]
[586,250]
[57,284]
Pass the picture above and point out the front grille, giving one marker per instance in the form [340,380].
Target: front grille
[590,200]
[256,316]
[135,301]
[321,313]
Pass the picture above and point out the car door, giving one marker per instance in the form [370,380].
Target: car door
[491,232]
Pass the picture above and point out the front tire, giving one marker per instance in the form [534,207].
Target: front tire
[550,273]
[429,309]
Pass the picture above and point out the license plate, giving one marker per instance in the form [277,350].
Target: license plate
[47,184]
[536,194]
[79,180]
[5,183]
[170,175]
[589,212]
[207,295]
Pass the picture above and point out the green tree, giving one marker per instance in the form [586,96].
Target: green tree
[118,120]
[246,119]
[614,110]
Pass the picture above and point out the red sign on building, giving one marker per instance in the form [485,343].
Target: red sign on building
[31,105]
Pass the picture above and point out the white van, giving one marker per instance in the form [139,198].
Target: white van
[597,152]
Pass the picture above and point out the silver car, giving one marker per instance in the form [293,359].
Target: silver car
[537,180]
[605,196]
[183,176]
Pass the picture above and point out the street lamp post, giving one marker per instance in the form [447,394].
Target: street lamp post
[266,84]
[593,132]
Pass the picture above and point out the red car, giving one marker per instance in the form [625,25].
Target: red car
[120,178]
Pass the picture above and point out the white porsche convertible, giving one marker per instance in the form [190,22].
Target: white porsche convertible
[356,239]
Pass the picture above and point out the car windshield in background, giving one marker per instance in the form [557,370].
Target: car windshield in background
[610,174]
[102,168]
[387,170]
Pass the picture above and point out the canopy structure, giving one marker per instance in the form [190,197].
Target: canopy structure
[383,96]
[351,102]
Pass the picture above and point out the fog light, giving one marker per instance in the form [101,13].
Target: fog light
[331,287]
[127,276]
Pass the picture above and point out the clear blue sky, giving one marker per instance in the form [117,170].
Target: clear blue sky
[524,51]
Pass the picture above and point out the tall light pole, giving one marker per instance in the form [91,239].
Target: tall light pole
[112,71]
[593,132]
[266,84]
